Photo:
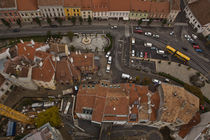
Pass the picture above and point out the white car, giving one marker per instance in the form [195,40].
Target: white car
[148,34]
[167,80]
[108,67]
[156,81]
[155,36]
[187,36]
[133,53]
[141,54]
[114,27]
[109,60]
[107,54]
[194,36]
[171,33]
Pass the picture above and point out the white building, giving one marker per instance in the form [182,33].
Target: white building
[198,14]
[51,8]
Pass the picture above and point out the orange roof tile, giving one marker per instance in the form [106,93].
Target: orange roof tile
[28,50]
[100,5]
[27,5]
[46,72]
[7,3]
[50,2]
[179,103]
[72,3]
[86,4]
[118,5]
[98,110]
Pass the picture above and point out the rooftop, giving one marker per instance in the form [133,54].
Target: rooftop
[86,4]
[100,5]
[178,104]
[118,5]
[72,3]
[27,5]
[109,101]
[50,2]
[57,48]
[7,4]
[28,49]
[201,11]
[18,66]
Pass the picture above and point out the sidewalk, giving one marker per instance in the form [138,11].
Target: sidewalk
[94,22]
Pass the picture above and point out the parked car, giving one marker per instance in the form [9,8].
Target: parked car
[108,67]
[138,28]
[171,33]
[196,47]
[153,48]
[185,49]
[148,34]
[138,31]
[148,44]
[187,36]
[156,81]
[194,36]
[107,54]
[198,50]
[126,76]
[155,36]
[133,53]
[165,55]
[167,80]
[133,41]
[16,30]
[160,52]
[141,54]
[145,55]
[109,60]
[194,43]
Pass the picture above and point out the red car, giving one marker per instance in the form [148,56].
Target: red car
[145,55]
[196,47]
[138,31]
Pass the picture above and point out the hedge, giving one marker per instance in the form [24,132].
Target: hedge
[108,48]
[193,89]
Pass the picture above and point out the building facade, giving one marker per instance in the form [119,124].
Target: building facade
[28,10]
[72,8]
[5,88]
[51,8]
[86,10]
[8,11]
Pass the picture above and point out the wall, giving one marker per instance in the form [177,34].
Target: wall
[48,85]
[9,15]
[119,14]
[172,15]
[206,30]
[52,12]
[5,87]
[84,116]
[137,15]
[27,16]
[86,13]
[69,12]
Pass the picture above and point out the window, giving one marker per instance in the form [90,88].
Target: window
[88,12]
[67,10]
[2,89]
[77,14]
[77,10]
[15,13]
[88,111]
[7,83]
[74,14]
[49,10]
[74,10]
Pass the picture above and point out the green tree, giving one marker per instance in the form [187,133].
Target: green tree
[149,22]
[51,115]
[146,81]
[49,34]
[72,48]
[73,20]
[137,79]
[70,35]
[59,20]
[49,21]
[18,21]
[89,20]
[140,22]
[37,20]
[6,23]
[80,20]
[164,21]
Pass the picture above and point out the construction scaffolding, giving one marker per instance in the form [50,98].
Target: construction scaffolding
[13,114]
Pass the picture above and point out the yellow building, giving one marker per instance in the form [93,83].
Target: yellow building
[72,8]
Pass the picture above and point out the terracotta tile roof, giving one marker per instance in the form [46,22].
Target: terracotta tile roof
[84,61]
[28,50]
[2,79]
[7,3]
[42,55]
[18,66]
[72,3]
[179,104]
[149,6]
[57,48]
[66,72]
[27,5]
[3,50]
[86,4]
[44,72]
[100,5]
[201,11]
[175,5]
[112,100]
[50,2]
[119,5]
[185,129]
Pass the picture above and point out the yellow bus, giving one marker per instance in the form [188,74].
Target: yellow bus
[170,49]
[177,53]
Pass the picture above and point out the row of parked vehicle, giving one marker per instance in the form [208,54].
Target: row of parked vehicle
[109,61]
[191,40]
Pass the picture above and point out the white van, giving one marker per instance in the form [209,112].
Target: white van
[133,40]
[126,76]
[108,67]
[148,44]
[160,52]
[109,60]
